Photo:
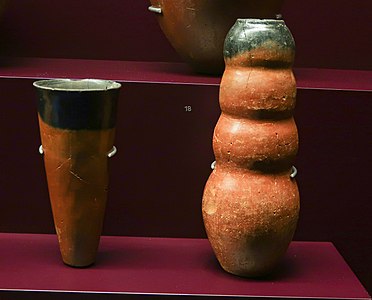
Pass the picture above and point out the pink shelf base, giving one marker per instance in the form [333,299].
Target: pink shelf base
[167,73]
[122,71]
[167,266]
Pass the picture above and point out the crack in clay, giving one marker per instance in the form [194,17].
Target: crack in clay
[249,77]
[78,177]
[285,144]
[69,159]
[66,161]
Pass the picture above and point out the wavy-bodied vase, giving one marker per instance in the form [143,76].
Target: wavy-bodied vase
[77,127]
[197,28]
[251,200]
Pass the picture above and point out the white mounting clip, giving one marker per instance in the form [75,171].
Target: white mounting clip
[155,9]
[294,172]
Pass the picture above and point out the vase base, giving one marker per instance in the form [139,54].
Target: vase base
[79,266]
[256,274]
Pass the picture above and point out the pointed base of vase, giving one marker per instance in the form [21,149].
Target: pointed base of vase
[84,266]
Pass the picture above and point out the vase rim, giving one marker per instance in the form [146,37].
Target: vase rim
[77,85]
[260,21]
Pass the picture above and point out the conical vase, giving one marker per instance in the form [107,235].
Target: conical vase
[197,28]
[251,199]
[77,128]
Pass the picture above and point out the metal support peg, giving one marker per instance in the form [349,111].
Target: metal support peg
[294,172]
[155,9]
[111,153]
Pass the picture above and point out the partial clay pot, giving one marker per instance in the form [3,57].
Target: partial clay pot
[77,127]
[251,200]
[197,28]
[3,3]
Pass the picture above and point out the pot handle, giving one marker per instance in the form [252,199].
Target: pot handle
[155,9]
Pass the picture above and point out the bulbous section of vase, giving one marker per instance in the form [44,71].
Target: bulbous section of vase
[197,28]
[250,218]
[255,145]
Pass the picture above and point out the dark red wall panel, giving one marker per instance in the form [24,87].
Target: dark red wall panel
[328,34]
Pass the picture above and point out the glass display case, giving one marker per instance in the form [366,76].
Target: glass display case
[154,244]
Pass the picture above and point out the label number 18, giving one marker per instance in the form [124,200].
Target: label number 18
[187,108]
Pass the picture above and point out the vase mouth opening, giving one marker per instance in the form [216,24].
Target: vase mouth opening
[252,21]
[77,85]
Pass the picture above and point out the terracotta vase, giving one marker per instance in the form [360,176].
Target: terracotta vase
[251,200]
[77,127]
[197,28]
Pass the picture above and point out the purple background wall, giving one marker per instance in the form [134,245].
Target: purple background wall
[164,153]
[328,34]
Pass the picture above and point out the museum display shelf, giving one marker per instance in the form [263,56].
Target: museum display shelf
[165,155]
[166,73]
[128,266]
[170,267]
